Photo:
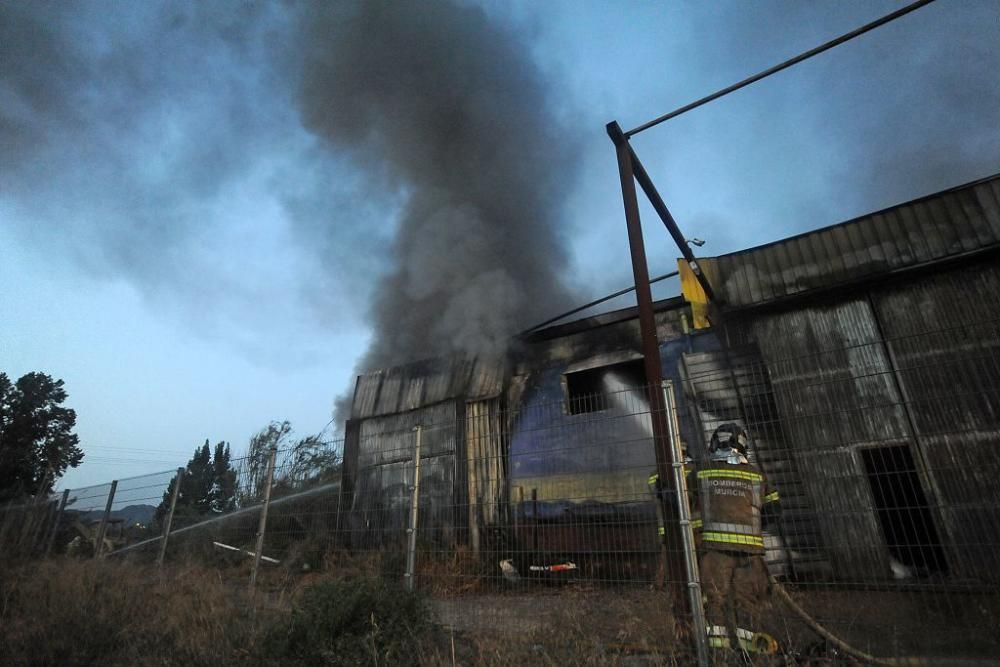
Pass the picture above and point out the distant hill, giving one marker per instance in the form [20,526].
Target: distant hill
[130,514]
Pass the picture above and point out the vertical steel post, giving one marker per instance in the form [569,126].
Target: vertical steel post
[55,523]
[262,526]
[654,373]
[99,543]
[170,517]
[698,623]
[534,522]
[411,547]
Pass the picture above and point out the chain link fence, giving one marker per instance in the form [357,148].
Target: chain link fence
[542,520]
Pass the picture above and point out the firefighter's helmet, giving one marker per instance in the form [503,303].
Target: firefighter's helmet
[727,438]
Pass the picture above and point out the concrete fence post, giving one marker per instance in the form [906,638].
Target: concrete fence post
[262,526]
[55,523]
[411,547]
[699,628]
[170,517]
[99,544]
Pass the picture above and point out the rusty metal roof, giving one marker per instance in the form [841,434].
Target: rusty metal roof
[950,224]
[402,388]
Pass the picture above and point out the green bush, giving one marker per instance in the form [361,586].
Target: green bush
[355,622]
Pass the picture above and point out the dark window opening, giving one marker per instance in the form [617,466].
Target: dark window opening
[903,511]
[597,389]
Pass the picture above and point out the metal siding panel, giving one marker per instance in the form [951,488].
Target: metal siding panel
[833,262]
[770,278]
[390,438]
[844,249]
[737,281]
[988,196]
[859,251]
[919,217]
[969,207]
[392,387]
[921,231]
[873,241]
[944,334]
[754,277]
[806,273]
[966,230]
[366,394]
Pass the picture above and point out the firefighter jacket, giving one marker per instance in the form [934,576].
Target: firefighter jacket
[730,501]
[658,489]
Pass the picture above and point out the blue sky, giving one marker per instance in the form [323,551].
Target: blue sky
[195,261]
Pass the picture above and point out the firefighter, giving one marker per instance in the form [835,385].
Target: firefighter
[658,490]
[733,499]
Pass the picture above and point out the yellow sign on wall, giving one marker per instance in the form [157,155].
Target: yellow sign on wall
[693,292]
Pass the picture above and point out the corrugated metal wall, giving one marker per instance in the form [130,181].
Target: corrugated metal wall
[486,465]
[734,386]
[916,364]
[947,224]
[384,474]
[943,334]
[834,390]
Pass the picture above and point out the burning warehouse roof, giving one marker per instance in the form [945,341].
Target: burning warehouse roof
[849,353]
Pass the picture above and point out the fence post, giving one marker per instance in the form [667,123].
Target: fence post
[42,528]
[262,526]
[55,523]
[699,627]
[411,547]
[170,517]
[99,545]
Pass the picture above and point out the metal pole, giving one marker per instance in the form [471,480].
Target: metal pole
[646,183]
[653,366]
[687,533]
[784,65]
[99,545]
[596,302]
[55,524]
[411,547]
[170,516]
[262,526]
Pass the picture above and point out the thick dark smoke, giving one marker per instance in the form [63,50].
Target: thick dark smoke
[434,101]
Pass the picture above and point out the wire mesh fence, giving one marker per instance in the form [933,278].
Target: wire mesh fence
[543,517]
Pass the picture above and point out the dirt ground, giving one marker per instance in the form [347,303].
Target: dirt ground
[940,628]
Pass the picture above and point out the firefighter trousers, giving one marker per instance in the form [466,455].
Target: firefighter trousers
[736,592]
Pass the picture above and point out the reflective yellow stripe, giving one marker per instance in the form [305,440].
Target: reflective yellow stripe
[733,538]
[731,474]
[653,479]
[771,497]
[696,523]
[661,531]
[718,642]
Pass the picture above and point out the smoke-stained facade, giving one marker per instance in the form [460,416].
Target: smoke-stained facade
[872,409]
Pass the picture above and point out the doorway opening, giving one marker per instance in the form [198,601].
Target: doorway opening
[903,511]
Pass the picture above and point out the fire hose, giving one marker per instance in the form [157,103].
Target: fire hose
[834,639]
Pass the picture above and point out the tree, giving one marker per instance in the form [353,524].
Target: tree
[302,462]
[37,443]
[313,461]
[224,480]
[208,486]
[273,436]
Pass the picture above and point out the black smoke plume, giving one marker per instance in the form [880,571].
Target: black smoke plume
[435,101]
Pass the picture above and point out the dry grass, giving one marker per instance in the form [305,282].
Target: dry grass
[342,611]
[70,612]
